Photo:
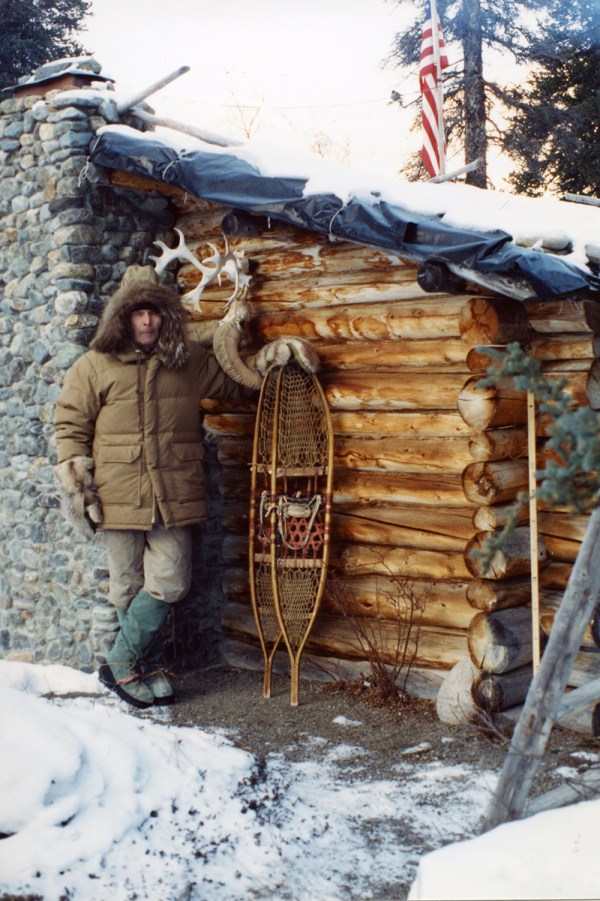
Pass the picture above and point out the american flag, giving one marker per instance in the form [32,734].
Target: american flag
[433,62]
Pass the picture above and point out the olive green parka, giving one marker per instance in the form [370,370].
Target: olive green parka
[138,415]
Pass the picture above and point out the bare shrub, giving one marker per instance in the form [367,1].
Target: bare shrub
[390,656]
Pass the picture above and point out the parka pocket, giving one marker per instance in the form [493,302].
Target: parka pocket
[187,473]
[118,473]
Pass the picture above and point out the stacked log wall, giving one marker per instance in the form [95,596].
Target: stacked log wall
[427,462]
[561,335]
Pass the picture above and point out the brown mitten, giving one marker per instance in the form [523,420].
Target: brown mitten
[78,495]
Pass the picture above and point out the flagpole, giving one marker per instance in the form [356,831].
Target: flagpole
[435,38]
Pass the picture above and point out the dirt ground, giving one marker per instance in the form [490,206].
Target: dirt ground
[231,699]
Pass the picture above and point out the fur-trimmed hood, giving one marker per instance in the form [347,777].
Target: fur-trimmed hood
[114,330]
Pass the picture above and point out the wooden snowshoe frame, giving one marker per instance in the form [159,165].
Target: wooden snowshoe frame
[290,513]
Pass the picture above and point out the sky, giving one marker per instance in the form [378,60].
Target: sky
[97,802]
[307,73]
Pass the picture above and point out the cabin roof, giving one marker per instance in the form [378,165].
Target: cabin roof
[82,69]
[422,223]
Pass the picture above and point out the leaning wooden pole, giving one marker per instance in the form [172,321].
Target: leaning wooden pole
[546,691]
[130,102]
[533,532]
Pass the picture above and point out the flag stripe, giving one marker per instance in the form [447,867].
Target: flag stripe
[432,62]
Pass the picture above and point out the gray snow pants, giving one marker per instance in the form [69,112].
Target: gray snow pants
[160,561]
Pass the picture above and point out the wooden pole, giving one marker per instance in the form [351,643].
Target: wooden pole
[470,167]
[209,137]
[582,198]
[125,105]
[435,38]
[533,531]
[547,689]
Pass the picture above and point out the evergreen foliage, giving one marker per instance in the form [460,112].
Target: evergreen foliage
[475,25]
[555,134]
[555,137]
[571,476]
[35,32]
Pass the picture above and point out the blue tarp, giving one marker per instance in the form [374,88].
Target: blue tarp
[230,180]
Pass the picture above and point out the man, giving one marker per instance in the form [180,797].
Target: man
[128,434]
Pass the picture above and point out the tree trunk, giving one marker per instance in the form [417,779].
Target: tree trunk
[491,518]
[360,423]
[364,390]
[368,526]
[352,487]
[389,454]
[474,94]
[418,683]
[585,788]
[402,561]
[357,639]
[436,528]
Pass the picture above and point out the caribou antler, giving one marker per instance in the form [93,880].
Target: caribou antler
[232,265]
[180,252]
[226,334]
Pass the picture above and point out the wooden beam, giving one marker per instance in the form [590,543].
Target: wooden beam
[513,559]
[500,641]
[209,137]
[584,789]
[582,198]
[126,105]
[579,698]
[121,179]
[462,170]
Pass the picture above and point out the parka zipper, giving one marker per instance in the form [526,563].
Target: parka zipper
[140,392]
[142,418]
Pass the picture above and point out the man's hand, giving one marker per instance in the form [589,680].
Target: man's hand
[78,494]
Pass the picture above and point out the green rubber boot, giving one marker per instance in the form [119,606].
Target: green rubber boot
[156,679]
[155,675]
[140,625]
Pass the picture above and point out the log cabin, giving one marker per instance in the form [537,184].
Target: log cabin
[398,287]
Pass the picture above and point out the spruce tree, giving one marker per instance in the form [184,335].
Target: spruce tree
[34,32]
[571,474]
[554,136]
[471,29]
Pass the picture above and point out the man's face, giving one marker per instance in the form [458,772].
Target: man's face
[145,328]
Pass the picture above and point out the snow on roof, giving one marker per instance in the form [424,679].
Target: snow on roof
[71,65]
[544,222]
[530,221]
[493,234]
[85,66]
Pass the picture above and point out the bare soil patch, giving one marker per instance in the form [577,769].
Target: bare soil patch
[231,700]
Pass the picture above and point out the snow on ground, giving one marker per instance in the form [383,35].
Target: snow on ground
[98,803]
[552,855]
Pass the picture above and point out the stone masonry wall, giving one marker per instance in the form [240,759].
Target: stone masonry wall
[64,246]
